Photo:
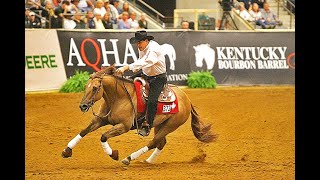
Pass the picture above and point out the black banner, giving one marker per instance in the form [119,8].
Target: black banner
[235,58]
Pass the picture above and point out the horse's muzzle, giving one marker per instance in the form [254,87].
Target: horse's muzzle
[84,107]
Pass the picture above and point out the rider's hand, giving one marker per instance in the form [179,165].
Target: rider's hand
[121,70]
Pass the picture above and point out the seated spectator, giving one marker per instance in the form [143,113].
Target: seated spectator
[246,3]
[49,15]
[133,22]
[107,22]
[33,22]
[68,22]
[244,13]
[185,25]
[269,19]
[80,23]
[255,12]
[99,8]
[112,11]
[59,12]
[90,21]
[26,16]
[98,20]
[126,7]
[85,5]
[259,2]
[123,23]
[143,24]
[117,6]
[72,8]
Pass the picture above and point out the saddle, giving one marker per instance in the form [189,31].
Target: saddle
[166,95]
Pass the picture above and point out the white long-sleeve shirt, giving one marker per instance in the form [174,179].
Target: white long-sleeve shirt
[151,60]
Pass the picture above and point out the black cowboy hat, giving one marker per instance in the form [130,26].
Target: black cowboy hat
[140,36]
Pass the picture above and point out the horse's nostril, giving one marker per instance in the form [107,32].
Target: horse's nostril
[83,106]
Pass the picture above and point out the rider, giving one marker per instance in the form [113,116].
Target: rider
[153,65]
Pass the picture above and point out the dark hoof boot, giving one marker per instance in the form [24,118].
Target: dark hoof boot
[115,155]
[145,129]
[67,152]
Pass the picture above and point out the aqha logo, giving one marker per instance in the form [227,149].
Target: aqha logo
[204,52]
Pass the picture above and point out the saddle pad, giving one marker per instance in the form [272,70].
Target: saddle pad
[162,108]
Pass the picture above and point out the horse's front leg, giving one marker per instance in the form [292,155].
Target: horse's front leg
[96,123]
[116,130]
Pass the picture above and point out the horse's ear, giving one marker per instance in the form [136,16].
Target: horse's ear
[112,68]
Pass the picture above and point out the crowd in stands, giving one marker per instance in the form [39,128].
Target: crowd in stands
[257,12]
[82,14]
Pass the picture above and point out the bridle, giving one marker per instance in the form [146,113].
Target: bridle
[91,102]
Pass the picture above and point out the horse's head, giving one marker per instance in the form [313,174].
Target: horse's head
[199,56]
[92,93]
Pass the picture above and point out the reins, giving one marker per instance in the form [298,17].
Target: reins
[130,98]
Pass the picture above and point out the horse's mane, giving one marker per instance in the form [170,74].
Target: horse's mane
[109,71]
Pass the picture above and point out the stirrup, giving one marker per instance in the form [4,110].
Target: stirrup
[144,130]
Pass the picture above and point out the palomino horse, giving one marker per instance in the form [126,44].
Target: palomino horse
[118,110]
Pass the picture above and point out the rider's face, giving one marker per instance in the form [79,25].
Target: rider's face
[142,44]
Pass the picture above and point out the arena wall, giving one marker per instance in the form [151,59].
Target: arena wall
[233,57]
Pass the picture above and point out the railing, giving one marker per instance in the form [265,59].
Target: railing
[161,19]
[283,4]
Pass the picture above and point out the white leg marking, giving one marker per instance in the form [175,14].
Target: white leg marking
[138,153]
[74,141]
[154,155]
[106,148]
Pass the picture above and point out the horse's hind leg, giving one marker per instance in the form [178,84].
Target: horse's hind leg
[163,131]
[158,149]
[94,125]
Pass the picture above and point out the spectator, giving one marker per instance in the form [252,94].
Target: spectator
[85,5]
[259,2]
[33,22]
[114,15]
[255,12]
[68,22]
[133,22]
[80,23]
[123,23]
[59,12]
[26,16]
[90,21]
[107,22]
[116,5]
[49,15]
[125,7]
[143,24]
[269,19]
[99,8]
[72,8]
[244,13]
[98,20]
[247,3]
[185,25]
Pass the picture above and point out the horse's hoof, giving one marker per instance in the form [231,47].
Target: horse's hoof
[126,161]
[67,152]
[115,155]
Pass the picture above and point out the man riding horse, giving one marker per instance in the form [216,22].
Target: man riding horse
[152,63]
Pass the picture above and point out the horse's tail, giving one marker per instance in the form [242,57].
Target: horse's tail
[173,53]
[200,130]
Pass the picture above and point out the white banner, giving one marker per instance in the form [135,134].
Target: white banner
[44,69]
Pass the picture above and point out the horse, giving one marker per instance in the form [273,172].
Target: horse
[203,51]
[168,49]
[117,109]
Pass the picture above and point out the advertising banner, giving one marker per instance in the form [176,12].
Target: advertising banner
[234,58]
[44,68]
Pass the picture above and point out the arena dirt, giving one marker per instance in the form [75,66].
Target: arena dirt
[256,128]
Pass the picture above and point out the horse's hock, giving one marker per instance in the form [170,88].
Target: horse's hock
[255,127]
